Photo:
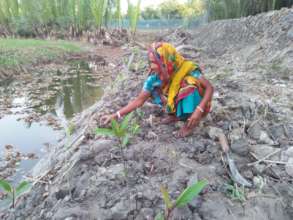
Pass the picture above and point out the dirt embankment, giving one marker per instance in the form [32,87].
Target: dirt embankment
[249,61]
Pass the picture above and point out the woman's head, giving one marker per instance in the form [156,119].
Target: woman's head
[156,62]
[165,55]
[152,63]
[164,59]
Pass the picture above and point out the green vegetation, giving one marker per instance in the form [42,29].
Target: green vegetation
[174,9]
[223,9]
[183,199]
[214,9]
[31,18]
[70,129]
[133,15]
[99,10]
[72,18]
[123,131]
[235,192]
[276,66]
[15,52]
[14,192]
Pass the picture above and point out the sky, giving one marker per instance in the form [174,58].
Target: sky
[144,3]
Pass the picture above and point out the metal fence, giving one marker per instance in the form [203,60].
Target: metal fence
[163,23]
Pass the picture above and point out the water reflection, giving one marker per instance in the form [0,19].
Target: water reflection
[76,94]
[58,93]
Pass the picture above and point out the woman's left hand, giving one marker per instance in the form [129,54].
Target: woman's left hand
[194,119]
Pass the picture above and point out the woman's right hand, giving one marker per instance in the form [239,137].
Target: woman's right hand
[106,119]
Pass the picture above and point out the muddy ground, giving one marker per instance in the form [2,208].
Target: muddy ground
[250,63]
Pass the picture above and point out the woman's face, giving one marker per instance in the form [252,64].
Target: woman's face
[154,67]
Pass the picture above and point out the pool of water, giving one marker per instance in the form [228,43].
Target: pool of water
[61,96]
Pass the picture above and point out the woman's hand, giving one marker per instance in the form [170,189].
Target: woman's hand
[106,119]
[194,119]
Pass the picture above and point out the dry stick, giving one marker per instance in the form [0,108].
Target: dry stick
[286,131]
[187,47]
[141,45]
[34,180]
[264,158]
[278,162]
[38,179]
[272,161]
[130,60]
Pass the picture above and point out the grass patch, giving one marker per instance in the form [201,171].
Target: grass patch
[276,66]
[15,52]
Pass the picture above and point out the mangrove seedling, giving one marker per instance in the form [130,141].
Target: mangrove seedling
[14,192]
[183,199]
[123,131]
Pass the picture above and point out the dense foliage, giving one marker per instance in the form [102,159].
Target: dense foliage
[36,17]
[44,17]
[216,9]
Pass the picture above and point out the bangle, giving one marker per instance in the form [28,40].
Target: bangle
[118,114]
[200,109]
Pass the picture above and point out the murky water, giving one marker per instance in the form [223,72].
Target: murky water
[61,96]
[76,93]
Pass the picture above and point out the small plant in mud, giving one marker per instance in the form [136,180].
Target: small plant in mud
[183,199]
[235,192]
[70,129]
[123,131]
[140,113]
[14,192]
[276,66]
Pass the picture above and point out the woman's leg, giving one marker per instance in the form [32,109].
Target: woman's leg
[185,108]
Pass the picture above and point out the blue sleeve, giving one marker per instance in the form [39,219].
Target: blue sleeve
[196,73]
[151,82]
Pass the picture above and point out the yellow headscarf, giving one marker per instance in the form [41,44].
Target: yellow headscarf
[175,67]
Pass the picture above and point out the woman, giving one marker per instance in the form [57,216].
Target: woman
[174,83]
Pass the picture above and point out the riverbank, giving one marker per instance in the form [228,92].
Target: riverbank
[22,55]
[38,102]
[83,177]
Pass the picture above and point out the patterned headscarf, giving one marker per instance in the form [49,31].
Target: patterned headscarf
[172,70]
[167,58]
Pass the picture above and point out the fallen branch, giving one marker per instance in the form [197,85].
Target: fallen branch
[272,161]
[30,179]
[278,162]
[130,61]
[39,179]
[264,158]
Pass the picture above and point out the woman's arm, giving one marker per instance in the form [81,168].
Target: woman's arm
[209,90]
[136,103]
[132,105]
[197,114]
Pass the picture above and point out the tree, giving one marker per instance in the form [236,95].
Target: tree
[171,9]
[150,13]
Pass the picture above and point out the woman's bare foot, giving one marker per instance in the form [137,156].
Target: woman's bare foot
[169,119]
